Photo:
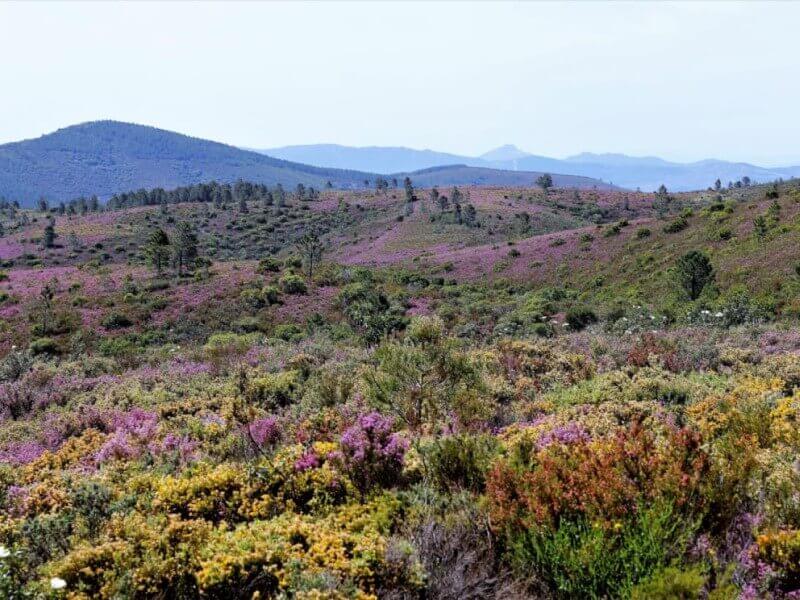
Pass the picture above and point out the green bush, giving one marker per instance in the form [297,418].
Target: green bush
[677,225]
[580,317]
[271,294]
[293,284]
[268,265]
[460,461]
[44,345]
[288,332]
[117,320]
[582,560]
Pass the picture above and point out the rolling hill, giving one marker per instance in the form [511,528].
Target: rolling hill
[105,157]
[108,157]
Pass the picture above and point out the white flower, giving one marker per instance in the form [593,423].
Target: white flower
[719,315]
[57,583]
[4,552]
[652,317]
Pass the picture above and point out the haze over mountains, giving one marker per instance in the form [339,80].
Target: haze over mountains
[108,157]
[646,173]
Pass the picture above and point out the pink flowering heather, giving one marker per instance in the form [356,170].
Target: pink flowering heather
[571,433]
[118,447]
[308,461]
[21,453]
[135,429]
[181,446]
[371,454]
[265,432]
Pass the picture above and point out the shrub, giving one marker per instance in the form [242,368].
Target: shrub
[271,294]
[579,318]
[643,232]
[460,461]
[43,345]
[268,265]
[293,284]
[580,559]
[288,332]
[677,225]
[371,455]
[117,321]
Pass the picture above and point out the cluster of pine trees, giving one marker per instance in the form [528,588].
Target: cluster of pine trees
[221,194]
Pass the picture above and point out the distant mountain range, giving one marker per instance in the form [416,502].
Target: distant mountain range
[646,173]
[107,157]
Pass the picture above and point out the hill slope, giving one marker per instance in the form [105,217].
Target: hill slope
[108,157]
[105,157]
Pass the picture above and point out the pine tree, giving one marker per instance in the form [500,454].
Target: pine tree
[48,241]
[409,189]
[545,181]
[694,272]
[470,215]
[185,246]
[310,248]
[157,250]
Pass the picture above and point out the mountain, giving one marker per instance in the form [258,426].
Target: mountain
[107,157]
[646,173]
[507,152]
[375,159]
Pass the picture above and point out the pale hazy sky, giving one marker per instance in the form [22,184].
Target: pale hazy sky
[684,81]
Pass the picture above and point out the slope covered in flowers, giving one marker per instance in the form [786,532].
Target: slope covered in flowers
[427,414]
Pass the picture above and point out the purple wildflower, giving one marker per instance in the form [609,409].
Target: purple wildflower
[371,453]
[265,432]
[571,433]
[309,460]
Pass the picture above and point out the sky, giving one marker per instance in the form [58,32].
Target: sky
[684,81]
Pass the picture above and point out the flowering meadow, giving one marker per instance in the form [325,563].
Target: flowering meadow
[600,399]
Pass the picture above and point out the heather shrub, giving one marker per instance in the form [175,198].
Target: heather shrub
[371,453]
[117,320]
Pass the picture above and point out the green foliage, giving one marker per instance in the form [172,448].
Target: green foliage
[116,320]
[581,559]
[43,345]
[293,284]
[694,272]
[579,318]
[370,312]
[459,461]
